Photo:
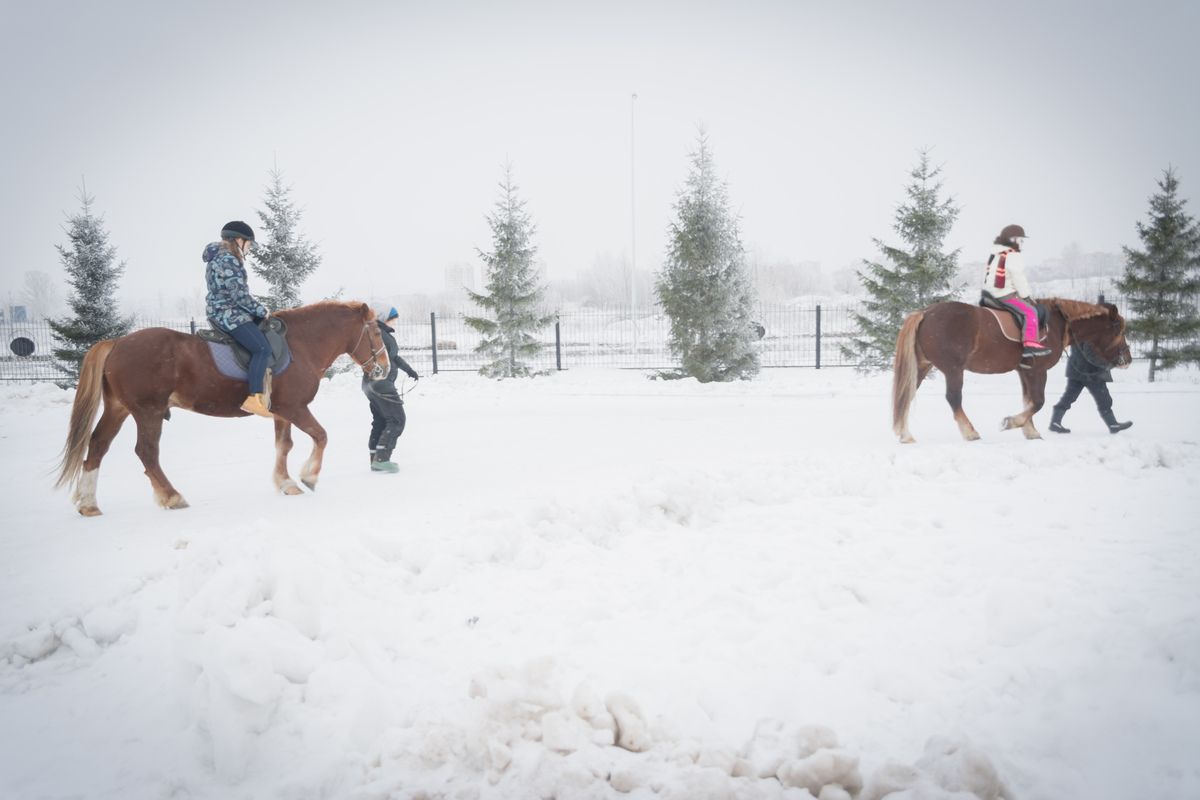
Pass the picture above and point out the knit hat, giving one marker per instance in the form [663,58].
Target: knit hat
[385,312]
[237,230]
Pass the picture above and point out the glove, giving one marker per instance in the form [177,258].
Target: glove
[414,376]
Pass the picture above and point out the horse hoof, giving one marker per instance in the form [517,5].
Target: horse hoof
[906,439]
[292,489]
[312,485]
[177,502]
[90,511]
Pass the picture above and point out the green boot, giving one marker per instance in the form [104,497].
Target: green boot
[382,463]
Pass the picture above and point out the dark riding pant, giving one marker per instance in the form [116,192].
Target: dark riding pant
[254,340]
[387,417]
[1100,394]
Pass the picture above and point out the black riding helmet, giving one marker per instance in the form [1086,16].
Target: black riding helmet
[237,230]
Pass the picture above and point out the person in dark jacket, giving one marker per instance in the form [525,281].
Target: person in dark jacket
[231,307]
[1086,369]
[387,407]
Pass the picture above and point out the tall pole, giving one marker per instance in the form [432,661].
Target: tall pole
[632,231]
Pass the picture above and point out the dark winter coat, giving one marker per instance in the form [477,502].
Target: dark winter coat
[397,363]
[229,300]
[1086,366]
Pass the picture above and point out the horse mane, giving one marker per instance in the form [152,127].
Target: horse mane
[1075,310]
[352,305]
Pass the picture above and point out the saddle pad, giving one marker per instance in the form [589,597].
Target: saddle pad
[222,355]
[1009,327]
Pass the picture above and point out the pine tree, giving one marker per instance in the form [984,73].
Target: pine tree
[513,293]
[92,276]
[1162,282]
[284,259]
[703,287]
[910,277]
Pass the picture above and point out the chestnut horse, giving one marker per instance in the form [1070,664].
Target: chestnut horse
[955,337]
[151,371]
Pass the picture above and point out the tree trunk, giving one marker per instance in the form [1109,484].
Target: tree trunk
[1153,356]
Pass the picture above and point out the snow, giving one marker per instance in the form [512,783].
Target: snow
[594,585]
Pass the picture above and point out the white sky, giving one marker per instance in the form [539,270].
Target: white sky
[392,121]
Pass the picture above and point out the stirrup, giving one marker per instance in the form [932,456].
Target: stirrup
[257,404]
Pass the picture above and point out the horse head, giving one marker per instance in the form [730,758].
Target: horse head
[369,351]
[1102,328]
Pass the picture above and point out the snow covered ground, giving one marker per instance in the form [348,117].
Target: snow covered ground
[593,585]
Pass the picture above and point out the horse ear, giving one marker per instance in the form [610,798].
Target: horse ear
[367,313]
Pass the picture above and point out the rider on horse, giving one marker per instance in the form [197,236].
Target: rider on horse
[1004,281]
[231,307]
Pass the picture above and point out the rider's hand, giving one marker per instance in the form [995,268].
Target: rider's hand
[414,376]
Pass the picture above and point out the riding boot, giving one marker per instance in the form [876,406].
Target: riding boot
[1110,419]
[257,404]
[1056,421]
[1035,350]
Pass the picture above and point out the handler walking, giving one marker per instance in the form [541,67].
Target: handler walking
[387,407]
[1085,369]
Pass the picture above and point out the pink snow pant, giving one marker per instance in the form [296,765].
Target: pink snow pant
[1031,330]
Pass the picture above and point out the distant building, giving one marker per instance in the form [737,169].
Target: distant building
[13,314]
[458,276]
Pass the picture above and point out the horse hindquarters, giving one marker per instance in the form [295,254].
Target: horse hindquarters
[906,375]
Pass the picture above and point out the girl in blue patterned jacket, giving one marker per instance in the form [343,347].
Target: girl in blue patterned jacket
[233,309]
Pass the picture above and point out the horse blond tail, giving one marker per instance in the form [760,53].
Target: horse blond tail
[83,412]
[904,371]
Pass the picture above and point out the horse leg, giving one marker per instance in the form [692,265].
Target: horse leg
[1033,389]
[305,421]
[954,384]
[106,429]
[283,446]
[149,425]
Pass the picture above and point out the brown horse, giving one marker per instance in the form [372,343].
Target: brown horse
[955,337]
[151,371]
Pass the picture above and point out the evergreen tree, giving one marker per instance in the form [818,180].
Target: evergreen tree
[1162,282]
[910,277]
[703,287]
[285,258]
[92,276]
[513,293]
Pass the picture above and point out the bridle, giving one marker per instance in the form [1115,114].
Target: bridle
[377,370]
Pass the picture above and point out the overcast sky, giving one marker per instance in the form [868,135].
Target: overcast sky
[392,122]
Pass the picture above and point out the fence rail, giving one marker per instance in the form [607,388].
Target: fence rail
[615,338]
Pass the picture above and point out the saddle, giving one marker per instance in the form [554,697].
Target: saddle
[233,360]
[1012,323]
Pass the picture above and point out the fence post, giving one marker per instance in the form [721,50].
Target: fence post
[1101,300]
[193,325]
[557,345]
[818,335]
[433,336]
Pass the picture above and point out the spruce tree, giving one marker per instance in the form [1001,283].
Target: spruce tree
[703,287]
[1162,282]
[513,293]
[92,276]
[911,276]
[282,257]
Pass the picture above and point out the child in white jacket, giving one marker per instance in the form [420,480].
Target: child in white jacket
[1005,281]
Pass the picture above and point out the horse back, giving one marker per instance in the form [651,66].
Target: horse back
[157,368]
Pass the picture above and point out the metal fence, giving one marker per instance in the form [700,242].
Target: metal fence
[792,336]
[614,338]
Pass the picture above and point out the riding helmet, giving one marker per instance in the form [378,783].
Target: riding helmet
[240,230]
[1010,233]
